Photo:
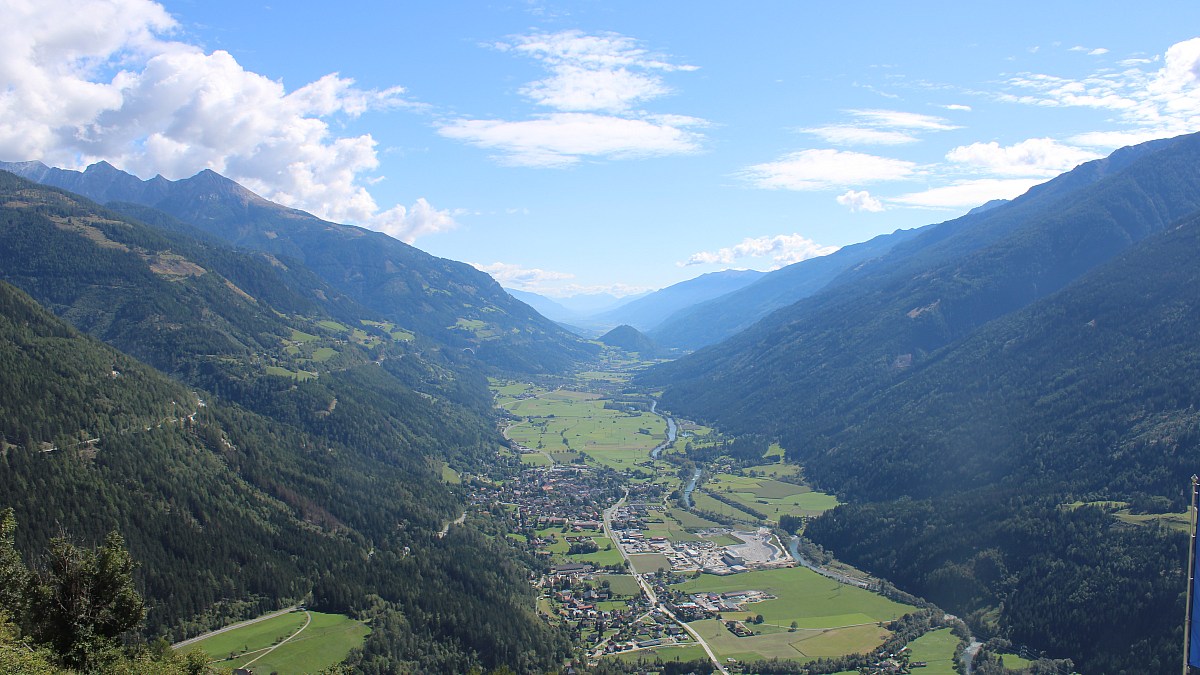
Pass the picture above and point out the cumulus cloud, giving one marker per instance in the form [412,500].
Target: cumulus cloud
[1153,104]
[958,106]
[967,193]
[86,80]
[824,169]
[880,127]
[782,249]
[593,84]
[1034,157]
[860,201]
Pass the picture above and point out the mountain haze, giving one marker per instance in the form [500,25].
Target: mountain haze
[650,310]
[705,323]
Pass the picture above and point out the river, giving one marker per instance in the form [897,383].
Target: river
[671,431]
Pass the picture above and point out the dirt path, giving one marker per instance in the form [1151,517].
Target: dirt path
[308,620]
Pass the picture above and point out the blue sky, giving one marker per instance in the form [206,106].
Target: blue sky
[601,146]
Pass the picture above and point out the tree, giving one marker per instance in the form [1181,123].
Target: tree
[85,598]
[14,577]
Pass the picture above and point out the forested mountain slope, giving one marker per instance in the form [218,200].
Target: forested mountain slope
[867,328]
[1090,395]
[447,301]
[967,388]
[330,486]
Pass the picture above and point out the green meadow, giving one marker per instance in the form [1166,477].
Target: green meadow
[326,641]
[936,649]
[803,596]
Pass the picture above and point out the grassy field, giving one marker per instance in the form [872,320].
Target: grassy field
[801,645]
[450,475]
[565,422]
[325,642]
[673,653]
[621,584]
[772,497]
[935,648]
[803,596]
[649,562]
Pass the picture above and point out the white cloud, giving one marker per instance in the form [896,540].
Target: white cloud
[880,127]
[1152,104]
[562,139]
[860,201]
[521,278]
[823,169]
[603,72]
[958,106]
[416,221]
[1098,51]
[1034,157]
[967,193]
[848,134]
[85,80]
[782,249]
[903,120]
[593,85]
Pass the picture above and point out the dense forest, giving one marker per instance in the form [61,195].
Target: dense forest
[295,456]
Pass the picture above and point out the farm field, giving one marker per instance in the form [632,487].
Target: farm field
[803,596]
[325,642]
[935,648]
[772,497]
[644,563]
[802,645]
[563,423]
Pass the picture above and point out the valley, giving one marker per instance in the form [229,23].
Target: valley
[638,572]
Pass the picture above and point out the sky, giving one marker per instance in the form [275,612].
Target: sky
[587,147]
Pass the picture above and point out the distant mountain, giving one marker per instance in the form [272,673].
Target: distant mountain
[589,304]
[544,306]
[629,339]
[705,323]
[447,301]
[965,385]
[650,310]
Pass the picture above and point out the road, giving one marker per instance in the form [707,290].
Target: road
[446,528]
[235,626]
[649,591]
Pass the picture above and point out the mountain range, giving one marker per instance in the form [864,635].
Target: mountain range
[1006,363]
[447,301]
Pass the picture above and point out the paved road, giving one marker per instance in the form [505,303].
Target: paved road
[654,602]
[235,626]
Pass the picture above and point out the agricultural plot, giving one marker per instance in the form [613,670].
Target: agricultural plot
[936,649]
[803,596]
[326,641]
[567,422]
[772,497]
[801,645]
[644,563]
